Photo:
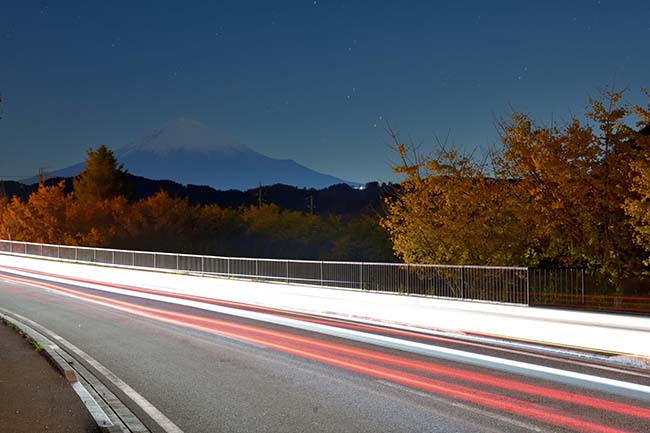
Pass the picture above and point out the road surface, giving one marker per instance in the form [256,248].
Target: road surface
[214,372]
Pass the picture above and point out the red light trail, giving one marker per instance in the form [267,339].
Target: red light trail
[384,366]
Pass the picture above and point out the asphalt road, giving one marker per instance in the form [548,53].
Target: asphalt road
[213,372]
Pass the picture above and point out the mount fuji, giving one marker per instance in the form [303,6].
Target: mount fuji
[188,152]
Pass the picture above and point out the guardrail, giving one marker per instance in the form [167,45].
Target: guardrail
[553,287]
[484,283]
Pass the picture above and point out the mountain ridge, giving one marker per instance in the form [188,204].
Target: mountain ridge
[188,152]
[339,199]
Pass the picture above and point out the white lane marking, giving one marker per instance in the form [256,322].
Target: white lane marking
[619,387]
[165,423]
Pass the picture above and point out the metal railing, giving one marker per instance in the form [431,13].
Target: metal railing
[482,283]
[575,288]
[553,287]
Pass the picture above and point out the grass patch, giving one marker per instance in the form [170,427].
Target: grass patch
[37,346]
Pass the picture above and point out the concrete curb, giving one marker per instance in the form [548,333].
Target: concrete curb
[50,351]
[127,410]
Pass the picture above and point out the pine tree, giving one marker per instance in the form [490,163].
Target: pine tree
[102,178]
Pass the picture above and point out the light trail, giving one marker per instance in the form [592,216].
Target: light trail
[353,359]
[279,312]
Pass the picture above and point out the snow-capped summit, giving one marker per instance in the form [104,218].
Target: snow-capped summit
[188,152]
[181,134]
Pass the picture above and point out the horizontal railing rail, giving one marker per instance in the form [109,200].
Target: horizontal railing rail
[552,287]
[481,283]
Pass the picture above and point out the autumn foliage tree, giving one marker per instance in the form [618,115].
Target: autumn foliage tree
[550,195]
[279,233]
[637,205]
[43,218]
[448,211]
[164,223]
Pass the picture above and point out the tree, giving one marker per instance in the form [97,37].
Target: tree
[225,231]
[577,178]
[362,239]
[102,178]
[637,206]
[448,211]
[98,224]
[278,233]
[550,195]
[43,218]
[163,223]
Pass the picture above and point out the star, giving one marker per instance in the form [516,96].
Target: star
[116,41]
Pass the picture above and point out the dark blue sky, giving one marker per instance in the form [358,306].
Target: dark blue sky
[314,81]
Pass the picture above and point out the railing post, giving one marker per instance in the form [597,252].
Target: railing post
[58,251]
[76,254]
[133,258]
[155,266]
[41,250]
[287,271]
[94,254]
[462,282]
[177,262]
[408,279]
[361,276]
[321,274]
[112,257]
[228,266]
[202,265]
[582,283]
[528,286]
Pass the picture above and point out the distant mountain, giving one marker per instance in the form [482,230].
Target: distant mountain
[340,199]
[188,152]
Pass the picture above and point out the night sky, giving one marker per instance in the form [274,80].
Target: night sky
[314,81]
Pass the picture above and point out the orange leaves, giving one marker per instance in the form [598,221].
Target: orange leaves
[42,219]
[552,194]
[165,223]
[52,216]
[637,206]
